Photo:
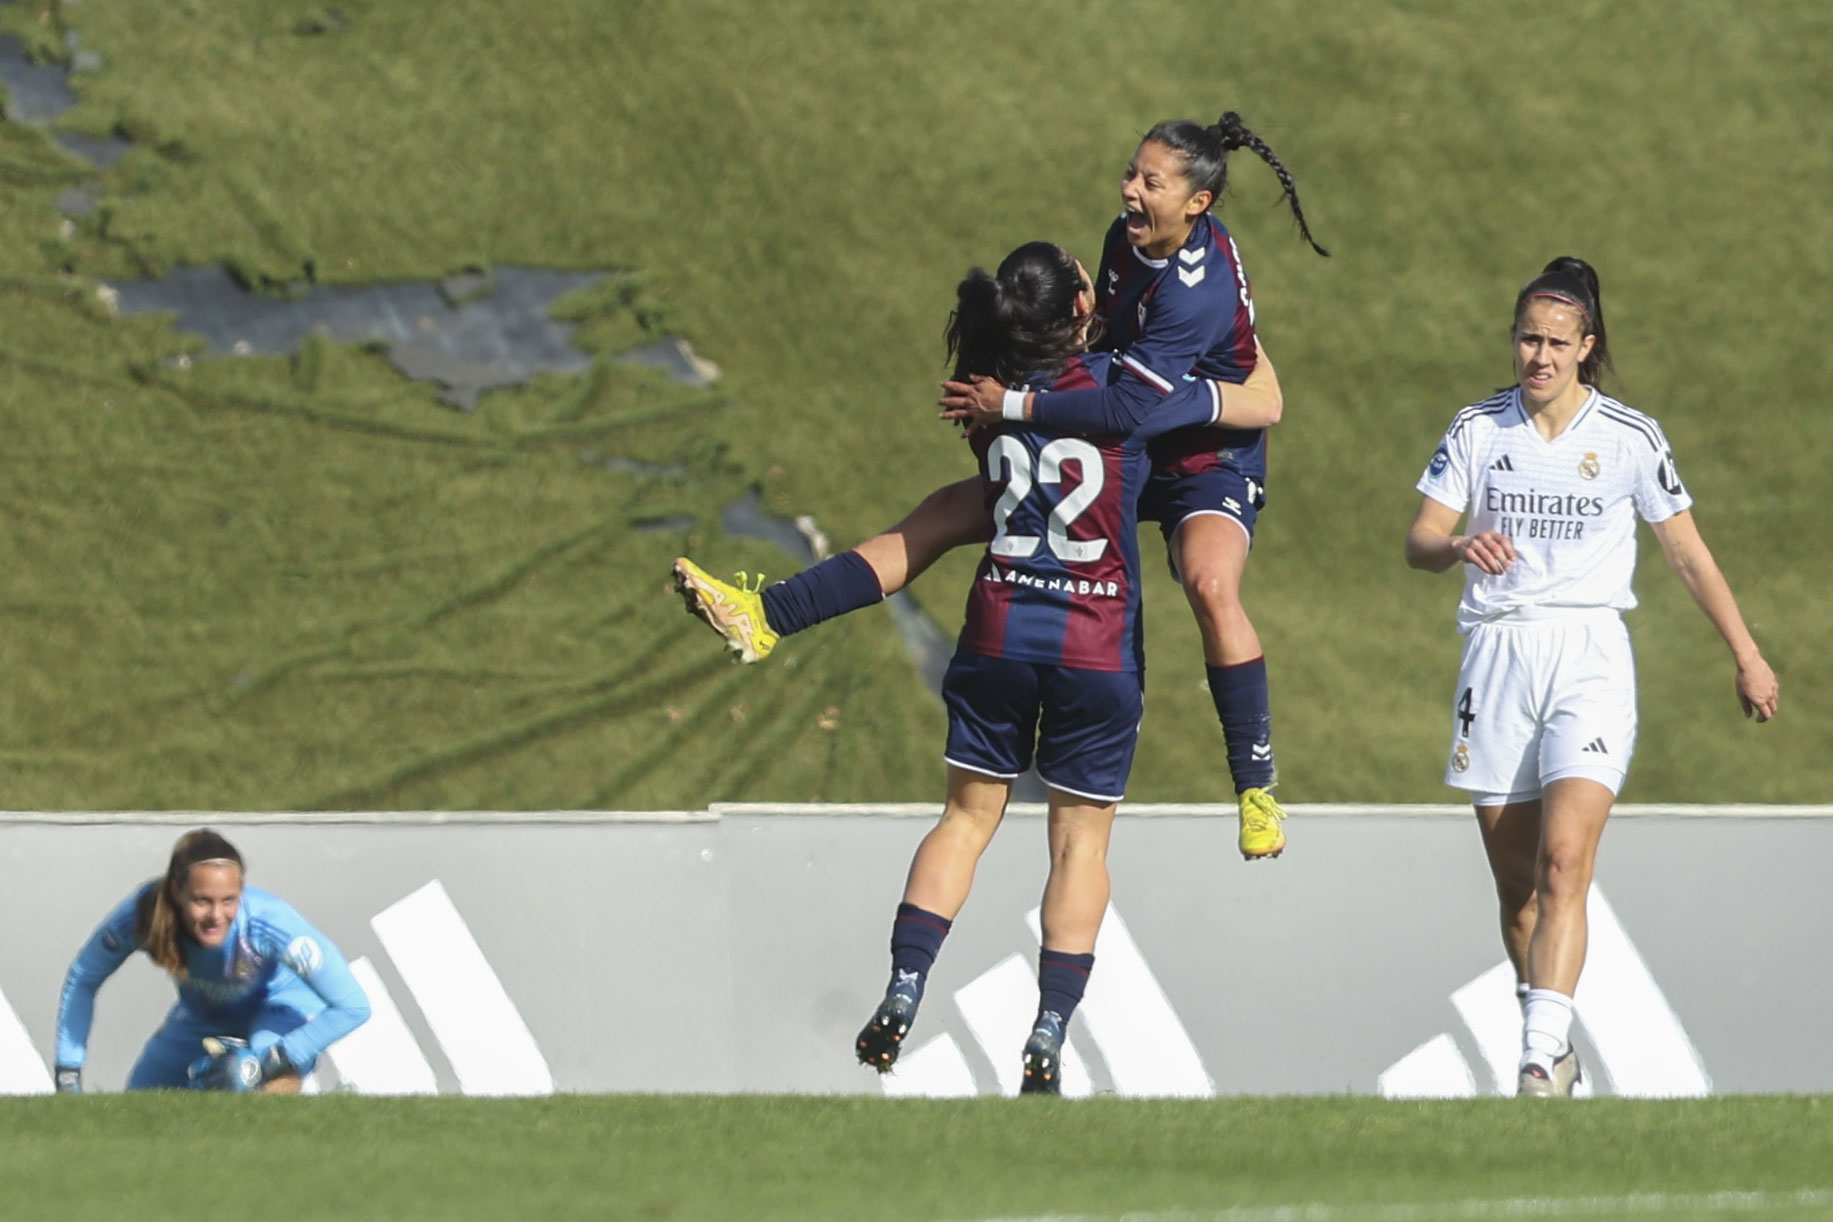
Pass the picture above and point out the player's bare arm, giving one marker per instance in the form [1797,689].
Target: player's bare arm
[1687,554]
[1256,403]
[1432,546]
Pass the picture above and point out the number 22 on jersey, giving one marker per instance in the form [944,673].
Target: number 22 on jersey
[1008,458]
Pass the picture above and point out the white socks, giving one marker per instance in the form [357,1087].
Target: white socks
[1546,1027]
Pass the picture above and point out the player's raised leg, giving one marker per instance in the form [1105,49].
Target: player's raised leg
[752,617]
[941,875]
[1210,551]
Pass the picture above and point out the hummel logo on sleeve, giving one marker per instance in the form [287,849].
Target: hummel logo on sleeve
[1596,745]
[1502,464]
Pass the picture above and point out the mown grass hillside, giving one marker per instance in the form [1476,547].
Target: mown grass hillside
[304,582]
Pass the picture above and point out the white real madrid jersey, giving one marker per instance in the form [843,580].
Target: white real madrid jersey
[1569,505]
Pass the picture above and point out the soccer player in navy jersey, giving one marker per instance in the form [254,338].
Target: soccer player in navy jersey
[260,991]
[1050,663]
[1551,476]
[1178,308]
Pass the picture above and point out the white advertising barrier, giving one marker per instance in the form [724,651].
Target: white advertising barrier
[741,948]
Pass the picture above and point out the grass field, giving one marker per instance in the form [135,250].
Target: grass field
[280,582]
[758,1157]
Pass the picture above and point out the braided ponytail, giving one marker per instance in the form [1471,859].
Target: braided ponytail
[1235,135]
[1206,151]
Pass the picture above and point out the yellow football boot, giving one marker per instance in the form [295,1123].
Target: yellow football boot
[733,611]
[1261,835]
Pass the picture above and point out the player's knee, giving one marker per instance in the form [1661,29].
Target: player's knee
[969,822]
[1213,591]
[1085,846]
[1564,875]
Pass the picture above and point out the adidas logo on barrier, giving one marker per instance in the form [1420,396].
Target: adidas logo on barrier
[1635,1040]
[487,1045]
[476,1025]
[1125,1015]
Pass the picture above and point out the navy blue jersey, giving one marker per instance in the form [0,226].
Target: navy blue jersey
[1171,321]
[1059,583]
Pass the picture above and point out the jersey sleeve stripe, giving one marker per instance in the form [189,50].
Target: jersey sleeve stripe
[1630,418]
[1493,406]
[1215,402]
[1164,386]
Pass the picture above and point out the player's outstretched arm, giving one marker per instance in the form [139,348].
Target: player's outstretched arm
[1687,554]
[105,951]
[1431,545]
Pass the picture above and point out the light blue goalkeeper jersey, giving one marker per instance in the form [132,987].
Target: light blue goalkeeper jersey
[272,956]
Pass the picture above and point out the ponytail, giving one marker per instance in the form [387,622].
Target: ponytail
[157,927]
[1206,151]
[1574,282]
[1019,324]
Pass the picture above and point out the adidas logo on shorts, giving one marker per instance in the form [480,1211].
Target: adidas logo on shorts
[1597,746]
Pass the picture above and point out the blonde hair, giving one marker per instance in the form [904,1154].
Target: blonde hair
[157,926]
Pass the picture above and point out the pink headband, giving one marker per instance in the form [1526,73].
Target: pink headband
[1552,296]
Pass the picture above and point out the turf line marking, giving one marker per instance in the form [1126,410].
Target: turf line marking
[1637,1204]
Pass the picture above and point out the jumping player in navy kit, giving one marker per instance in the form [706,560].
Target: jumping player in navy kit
[1178,307]
[1051,658]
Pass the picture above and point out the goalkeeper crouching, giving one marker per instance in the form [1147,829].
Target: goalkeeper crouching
[260,991]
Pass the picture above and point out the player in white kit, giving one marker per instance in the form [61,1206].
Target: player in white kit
[1550,477]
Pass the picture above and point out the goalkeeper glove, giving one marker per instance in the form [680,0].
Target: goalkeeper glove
[227,1064]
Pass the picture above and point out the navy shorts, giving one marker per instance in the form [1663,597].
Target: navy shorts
[1170,499]
[1083,724]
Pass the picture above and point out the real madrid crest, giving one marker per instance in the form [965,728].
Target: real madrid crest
[1460,759]
[1589,467]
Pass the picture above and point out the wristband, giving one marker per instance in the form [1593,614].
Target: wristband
[1012,407]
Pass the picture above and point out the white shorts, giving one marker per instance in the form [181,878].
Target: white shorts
[1542,700]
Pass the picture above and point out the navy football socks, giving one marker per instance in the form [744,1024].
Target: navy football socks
[916,938]
[1240,693]
[1061,978]
[833,587]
